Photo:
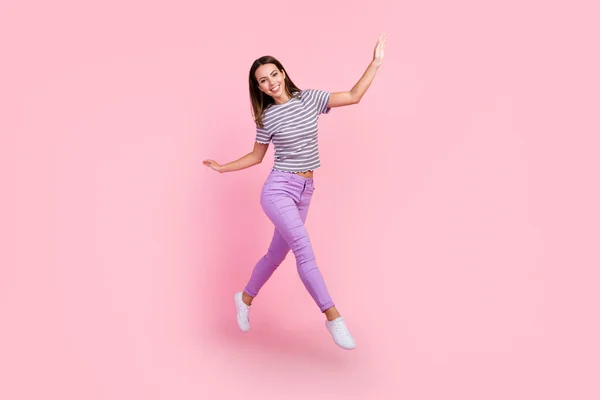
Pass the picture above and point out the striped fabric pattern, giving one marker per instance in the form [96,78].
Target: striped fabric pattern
[293,129]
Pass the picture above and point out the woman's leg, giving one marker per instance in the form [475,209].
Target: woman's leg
[286,216]
[287,207]
[266,266]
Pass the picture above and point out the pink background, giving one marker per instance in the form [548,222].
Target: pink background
[455,220]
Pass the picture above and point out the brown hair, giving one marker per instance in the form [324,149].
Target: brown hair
[260,101]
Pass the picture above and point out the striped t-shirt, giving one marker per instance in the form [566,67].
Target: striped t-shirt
[292,126]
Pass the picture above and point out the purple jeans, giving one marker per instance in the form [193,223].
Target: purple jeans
[285,199]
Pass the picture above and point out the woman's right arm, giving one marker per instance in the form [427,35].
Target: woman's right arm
[249,160]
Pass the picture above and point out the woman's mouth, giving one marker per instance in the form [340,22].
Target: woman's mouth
[275,89]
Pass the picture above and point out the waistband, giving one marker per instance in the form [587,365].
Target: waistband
[292,176]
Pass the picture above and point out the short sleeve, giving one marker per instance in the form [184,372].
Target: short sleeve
[262,135]
[322,100]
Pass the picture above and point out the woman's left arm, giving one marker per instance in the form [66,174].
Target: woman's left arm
[341,99]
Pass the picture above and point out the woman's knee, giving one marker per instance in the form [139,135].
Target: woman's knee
[303,251]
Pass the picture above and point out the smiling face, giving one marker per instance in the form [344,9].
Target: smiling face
[271,81]
[268,84]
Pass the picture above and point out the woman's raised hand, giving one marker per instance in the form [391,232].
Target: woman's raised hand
[379,48]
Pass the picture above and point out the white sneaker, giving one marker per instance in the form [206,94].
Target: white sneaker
[243,310]
[339,332]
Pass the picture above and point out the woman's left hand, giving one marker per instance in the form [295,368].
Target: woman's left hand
[378,52]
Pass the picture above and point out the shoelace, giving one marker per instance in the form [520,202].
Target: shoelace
[244,311]
[341,329]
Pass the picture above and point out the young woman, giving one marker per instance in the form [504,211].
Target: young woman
[288,117]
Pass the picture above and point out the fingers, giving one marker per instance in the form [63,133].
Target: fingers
[380,44]
[212,164]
